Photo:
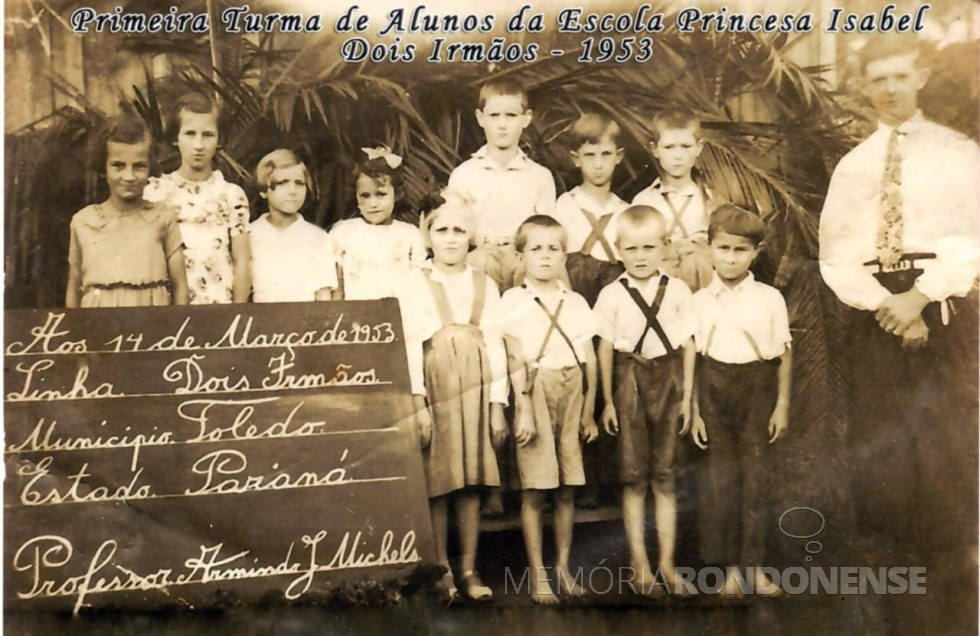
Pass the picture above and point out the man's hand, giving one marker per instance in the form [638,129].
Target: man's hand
[899,311]
[916,336]
[609,420]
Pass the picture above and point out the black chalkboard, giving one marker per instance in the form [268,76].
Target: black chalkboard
[176,455]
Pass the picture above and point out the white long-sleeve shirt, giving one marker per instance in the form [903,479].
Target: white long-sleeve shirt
[939,208]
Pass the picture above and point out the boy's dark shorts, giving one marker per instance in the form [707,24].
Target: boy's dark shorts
[648,398]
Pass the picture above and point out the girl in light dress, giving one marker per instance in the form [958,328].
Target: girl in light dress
[374,249]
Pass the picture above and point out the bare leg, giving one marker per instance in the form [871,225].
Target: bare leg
[468,524]
[665,512]
[564,525]
[634,520]
[532,501]
[439,514]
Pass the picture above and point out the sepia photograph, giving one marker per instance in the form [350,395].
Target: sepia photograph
[527,316]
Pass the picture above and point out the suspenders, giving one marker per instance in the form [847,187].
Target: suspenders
[442,301]
[676,224]
[650,312]
[748,338]
[552,328]
[598,234]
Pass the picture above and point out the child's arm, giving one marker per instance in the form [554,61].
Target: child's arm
[690,356]
[524,430]
[589,429]
[609,420]
[241,262]
[780,416]
[338,294]
[180,294]
[497,361]
[73,293]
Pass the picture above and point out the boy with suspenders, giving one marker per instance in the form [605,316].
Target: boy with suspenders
[553,371]
[743,375]
[644,324]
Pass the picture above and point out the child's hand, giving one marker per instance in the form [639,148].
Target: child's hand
[524,430]
[778,422]
[588,430]
[498,425]
[609,420]
[699,432]
[423,419]
[685,417]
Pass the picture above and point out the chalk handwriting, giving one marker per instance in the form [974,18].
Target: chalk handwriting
[43,557]
[78,391]
[43,438]
[39,491]
[47,340]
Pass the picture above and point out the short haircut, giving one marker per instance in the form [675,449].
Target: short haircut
[122,129]
[432,206]
[591,128]
[731,219]
[277,160]
[379,170]
[637,217]
[195,103]
[674,119]
[502,87]
[542,222]
[881,47]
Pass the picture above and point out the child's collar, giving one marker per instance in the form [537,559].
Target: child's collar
[718,287]
[483,154]
[686,190]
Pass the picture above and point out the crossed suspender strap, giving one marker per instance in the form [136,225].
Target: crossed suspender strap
[552,328]
[748,337]
[650,312]
[442,301]
[677,224]
[598,234]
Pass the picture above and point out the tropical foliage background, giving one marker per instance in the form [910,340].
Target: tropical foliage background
[773,132]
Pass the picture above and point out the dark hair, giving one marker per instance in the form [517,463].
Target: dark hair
[891,45]
[542,221]
[590,128]
[674,119]
[731,219]
[502,87]
[122,129]
[196,103]
[379,170]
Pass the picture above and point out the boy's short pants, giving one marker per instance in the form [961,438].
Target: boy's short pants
[554,456]
[647,399]
[588,275]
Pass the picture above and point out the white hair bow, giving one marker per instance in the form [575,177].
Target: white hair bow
[383,152]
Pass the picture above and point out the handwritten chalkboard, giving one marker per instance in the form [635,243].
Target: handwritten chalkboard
[172,455]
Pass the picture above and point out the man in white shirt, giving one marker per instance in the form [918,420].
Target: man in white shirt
[898,244]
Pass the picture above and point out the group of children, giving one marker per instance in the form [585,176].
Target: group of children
[518,289]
